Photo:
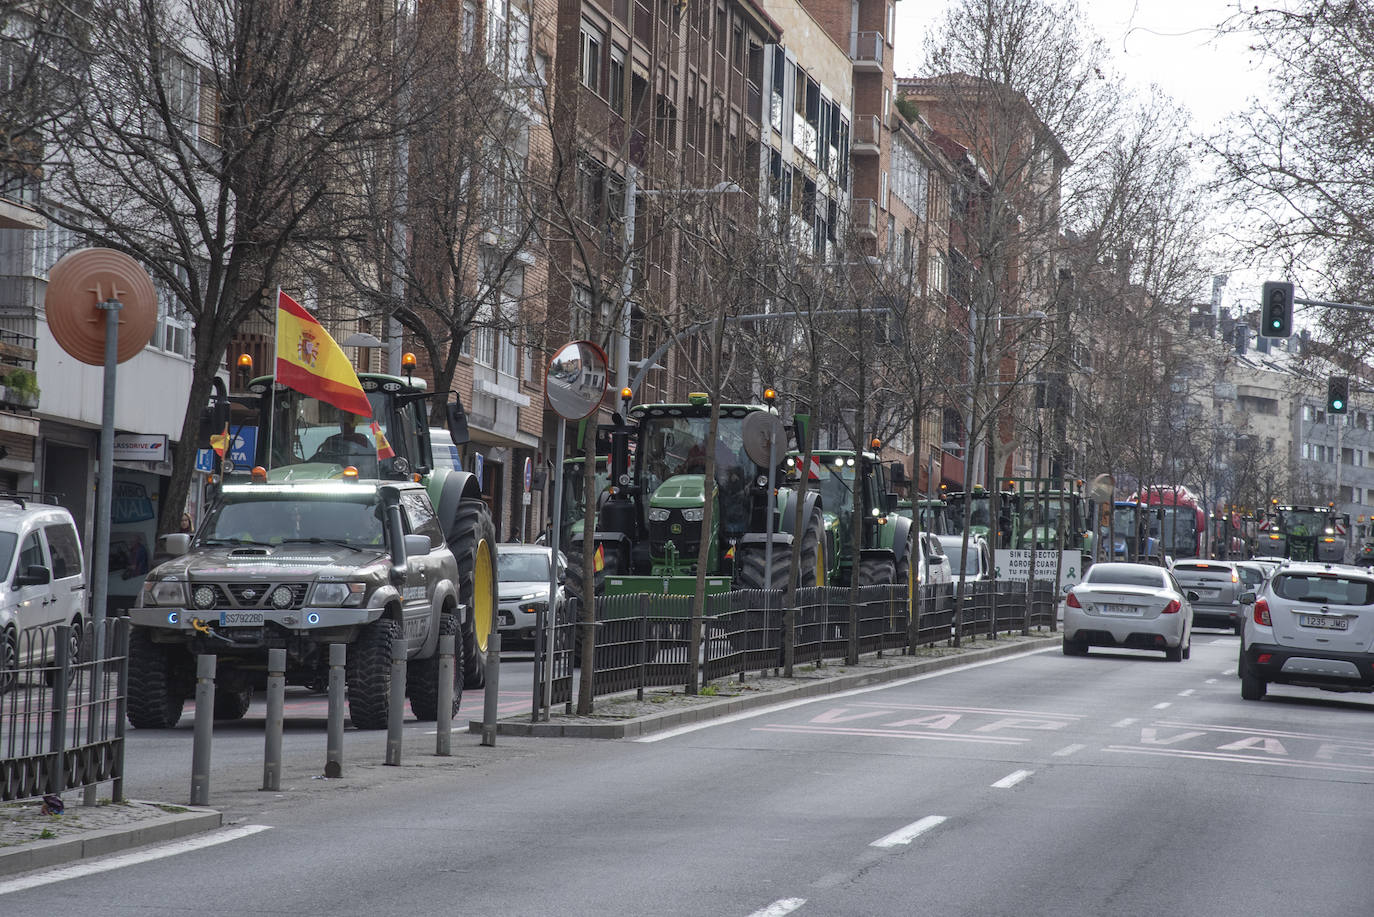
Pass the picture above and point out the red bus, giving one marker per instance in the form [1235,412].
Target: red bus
[1183,528]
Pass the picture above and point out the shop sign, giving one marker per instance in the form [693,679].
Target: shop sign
[140,447]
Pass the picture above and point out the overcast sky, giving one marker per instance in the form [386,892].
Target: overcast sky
[1171,43]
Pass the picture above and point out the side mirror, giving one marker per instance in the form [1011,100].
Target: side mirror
[457,421]
[1191,596]
[176,544]
[417,545]
[33,575]
[1246,598]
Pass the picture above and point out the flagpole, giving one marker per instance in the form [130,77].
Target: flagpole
[272,386]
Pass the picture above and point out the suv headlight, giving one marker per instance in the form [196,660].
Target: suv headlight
[164,592]
[658,514]
[338,595]
[693,515]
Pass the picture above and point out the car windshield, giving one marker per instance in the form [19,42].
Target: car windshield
[1250,576]
[1124,576]
[522,567]
[970,563]
[1325,588]
[294,519]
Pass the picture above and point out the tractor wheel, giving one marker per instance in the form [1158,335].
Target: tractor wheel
[877,571]
[233,705]
[422,675]
[813,552]
[475,549]
[154,702]
[751,571]
[572,584]
[369,674]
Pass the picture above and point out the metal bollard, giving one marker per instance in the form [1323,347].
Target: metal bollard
[205,722]
[396,697]
[333,754]
[443,723]
[62,662]
[489,714]
[276,702]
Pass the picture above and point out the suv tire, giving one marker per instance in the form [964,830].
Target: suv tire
[233,705]
[9,659]
[1252,687]
[369,674]
[422,675]
[154,702]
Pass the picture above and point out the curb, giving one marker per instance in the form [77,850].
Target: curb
[656,722]
[58,851]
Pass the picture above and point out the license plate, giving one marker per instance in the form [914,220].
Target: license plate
[1324,622]
[508,619]
[240,618]
[1133,611]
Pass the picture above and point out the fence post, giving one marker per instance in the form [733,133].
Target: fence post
[396,699]
[643,644]
[443,723]
[205,722]
[493,688]
[57,739]
[121,650]
[276,702]
[333,753]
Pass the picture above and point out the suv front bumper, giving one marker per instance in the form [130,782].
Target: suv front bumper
[310,622]
[1331,671]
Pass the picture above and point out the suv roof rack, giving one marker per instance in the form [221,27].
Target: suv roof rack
[24,497]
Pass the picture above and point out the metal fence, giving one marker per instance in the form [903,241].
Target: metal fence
[644,641]
[61,710]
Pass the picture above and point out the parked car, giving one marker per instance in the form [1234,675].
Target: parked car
[44,583]
[1313,626]
[1267,564]
[522,571]
[1219,588]
[977,565]
[935,566]
[1137,606]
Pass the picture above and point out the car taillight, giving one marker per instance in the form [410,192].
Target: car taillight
[1261,612]
[1072,601]
[1235,577]
[1173,607]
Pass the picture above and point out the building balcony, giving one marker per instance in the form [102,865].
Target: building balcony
[868,135]
[866,51]
[864,218]
[18,194]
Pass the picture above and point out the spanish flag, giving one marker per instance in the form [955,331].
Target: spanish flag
[220,442]
[310,362]
[384,450]
[599,559]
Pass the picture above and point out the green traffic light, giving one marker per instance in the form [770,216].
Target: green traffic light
[1338,404]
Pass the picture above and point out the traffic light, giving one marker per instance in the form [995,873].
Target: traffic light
[1337,394]
[1276,310]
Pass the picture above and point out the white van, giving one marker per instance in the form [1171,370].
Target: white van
[44,581]
[977,565]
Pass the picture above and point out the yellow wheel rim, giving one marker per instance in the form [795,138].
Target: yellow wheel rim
[911,586]
[820,564]
[483,600]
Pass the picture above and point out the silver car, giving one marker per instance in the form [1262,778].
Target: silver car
[1219,586]
[1137,606]
[1313,625]
[522,571]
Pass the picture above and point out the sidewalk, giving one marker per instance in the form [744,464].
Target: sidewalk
[31,840]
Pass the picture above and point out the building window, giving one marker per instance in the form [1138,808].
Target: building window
[592,42]
[469,39]
[615,87]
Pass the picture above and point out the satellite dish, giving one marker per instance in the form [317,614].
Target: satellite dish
[576,380]
[1102,488]
[764,432]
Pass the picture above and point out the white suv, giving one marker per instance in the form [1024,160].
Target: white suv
[1313,626]
[44,581]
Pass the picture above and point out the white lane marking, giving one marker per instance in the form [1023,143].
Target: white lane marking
[1229,672]
[1123,723]
[1210,681]
[1069,750]
[788,705]
[1188,693]
[1010,780]
[129,859]
[1163,705]
[1247,759]
[910,832]
[780,907]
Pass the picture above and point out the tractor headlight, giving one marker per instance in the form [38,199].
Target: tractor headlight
[338,595]
[164,592]
[658,514]
[693,515]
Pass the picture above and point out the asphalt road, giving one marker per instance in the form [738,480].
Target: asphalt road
[1116,784]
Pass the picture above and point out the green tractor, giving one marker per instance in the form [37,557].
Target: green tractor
[850,482]
[980,517]
[649,528]
[1043,509]
[294,437]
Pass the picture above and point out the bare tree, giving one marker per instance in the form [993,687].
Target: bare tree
[206,138]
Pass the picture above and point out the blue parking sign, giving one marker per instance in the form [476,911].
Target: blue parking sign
[205,460]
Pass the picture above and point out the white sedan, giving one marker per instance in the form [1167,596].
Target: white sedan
[1137,606]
